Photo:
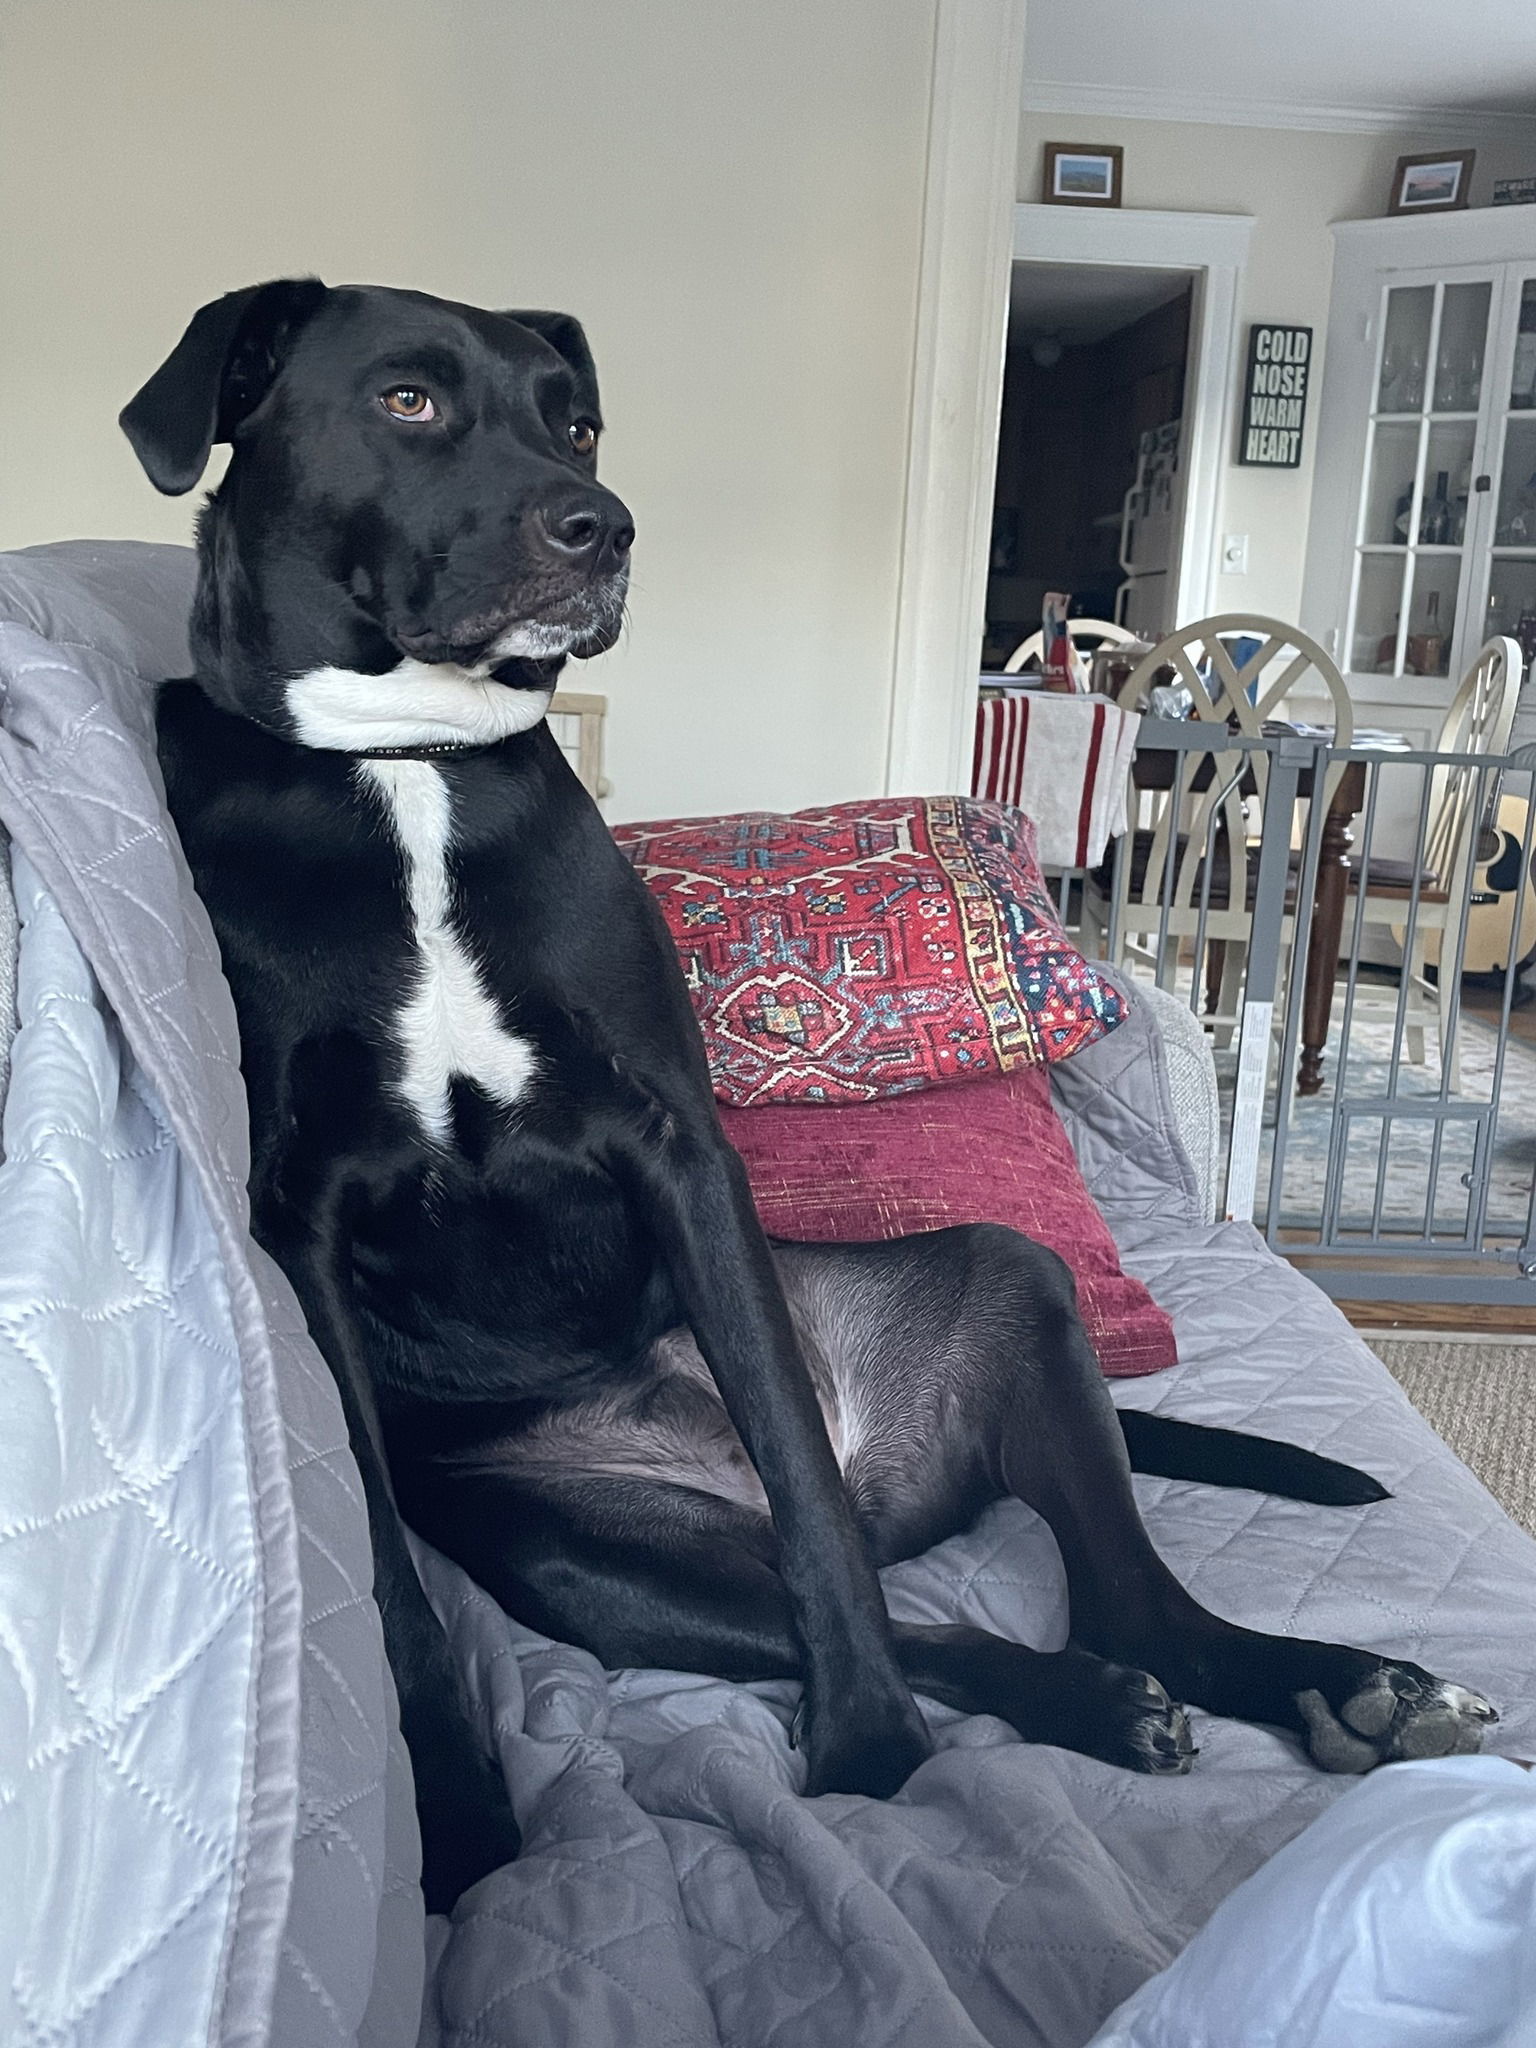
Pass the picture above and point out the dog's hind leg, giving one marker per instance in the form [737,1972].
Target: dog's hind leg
[650,1573]
[1062,1451]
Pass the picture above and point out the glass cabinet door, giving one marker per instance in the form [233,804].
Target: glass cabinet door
[1512,567]
[1417,498]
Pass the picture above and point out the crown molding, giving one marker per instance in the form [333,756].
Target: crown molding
[1147,103]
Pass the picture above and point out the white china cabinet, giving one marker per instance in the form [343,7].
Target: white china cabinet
[1422,538]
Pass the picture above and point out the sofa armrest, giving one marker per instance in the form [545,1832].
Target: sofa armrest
[1192,1086]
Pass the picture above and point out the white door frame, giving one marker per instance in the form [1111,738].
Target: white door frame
[962,327]
[975,108]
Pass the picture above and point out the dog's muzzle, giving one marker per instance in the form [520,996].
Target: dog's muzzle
[585,626]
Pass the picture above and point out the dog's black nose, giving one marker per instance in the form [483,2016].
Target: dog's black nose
[593,531]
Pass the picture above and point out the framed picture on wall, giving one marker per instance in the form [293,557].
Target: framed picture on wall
[1082,174]
[1437,183]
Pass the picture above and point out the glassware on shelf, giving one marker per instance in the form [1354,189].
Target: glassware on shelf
[1458,379]
[1402,378]
[1517,523]
[1405,348]
[1511,595]
[1459,351]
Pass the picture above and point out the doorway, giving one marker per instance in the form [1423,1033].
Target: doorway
[1089,490]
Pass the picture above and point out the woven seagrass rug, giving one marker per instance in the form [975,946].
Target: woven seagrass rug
[1481,1399]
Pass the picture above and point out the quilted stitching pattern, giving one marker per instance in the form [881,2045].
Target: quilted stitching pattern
[122,1469]
[1011,1895]
[1115,1101]
[80,793]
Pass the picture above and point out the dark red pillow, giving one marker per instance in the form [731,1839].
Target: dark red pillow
[868,949]
[994,1152]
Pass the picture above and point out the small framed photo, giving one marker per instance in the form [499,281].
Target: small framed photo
[1514,191]
[1082,174]
[1432,184]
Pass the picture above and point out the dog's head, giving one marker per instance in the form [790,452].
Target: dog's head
[410,535]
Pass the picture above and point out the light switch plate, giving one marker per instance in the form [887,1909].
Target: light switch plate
[1234,554]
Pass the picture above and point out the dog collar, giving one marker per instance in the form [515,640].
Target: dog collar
[428,752]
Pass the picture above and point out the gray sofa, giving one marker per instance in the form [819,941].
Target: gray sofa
[200,1778]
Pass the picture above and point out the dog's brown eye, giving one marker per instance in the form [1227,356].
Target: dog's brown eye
[408,402]
[583,436]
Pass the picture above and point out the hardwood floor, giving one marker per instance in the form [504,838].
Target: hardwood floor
[1448,1318]
[1484,1000]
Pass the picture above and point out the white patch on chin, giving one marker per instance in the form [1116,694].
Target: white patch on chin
[449,1023]
[418,704]
[532,642]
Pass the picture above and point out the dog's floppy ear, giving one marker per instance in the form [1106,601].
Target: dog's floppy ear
[217,373]
[564,334]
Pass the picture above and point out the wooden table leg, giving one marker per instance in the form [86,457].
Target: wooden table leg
[1215,968]
[1323,951]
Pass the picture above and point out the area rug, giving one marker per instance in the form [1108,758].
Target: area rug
[1409,1149]
[1481,1399]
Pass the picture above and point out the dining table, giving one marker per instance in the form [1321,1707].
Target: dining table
[1154,768]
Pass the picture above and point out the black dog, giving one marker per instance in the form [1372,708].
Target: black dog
[486,1152]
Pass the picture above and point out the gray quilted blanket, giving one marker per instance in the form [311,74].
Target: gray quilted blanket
[230,1788]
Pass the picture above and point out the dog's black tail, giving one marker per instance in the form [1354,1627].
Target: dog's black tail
[1225,1457]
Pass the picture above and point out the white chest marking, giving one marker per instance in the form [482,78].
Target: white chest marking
[448,1024]
[417,704]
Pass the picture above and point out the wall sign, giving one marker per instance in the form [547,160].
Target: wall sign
[1275,396]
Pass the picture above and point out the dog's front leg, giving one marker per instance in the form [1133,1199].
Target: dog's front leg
[467,1826]
[861,1728]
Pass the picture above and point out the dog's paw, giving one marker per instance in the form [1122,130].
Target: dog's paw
[1399,1713]
[1129,1720]
[1155,1735]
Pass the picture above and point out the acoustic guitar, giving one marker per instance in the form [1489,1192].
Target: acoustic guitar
[1492,917]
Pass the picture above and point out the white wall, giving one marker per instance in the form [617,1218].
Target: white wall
[730,197]
[1293,183]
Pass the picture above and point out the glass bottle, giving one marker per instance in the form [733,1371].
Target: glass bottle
[1435,515]
[1425,651]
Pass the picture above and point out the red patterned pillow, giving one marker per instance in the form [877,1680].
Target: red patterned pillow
[869,949]
[993,1153]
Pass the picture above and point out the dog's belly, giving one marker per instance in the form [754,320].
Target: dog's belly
[909,1460]
[668,1426]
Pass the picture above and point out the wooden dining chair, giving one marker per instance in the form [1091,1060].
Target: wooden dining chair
[577,719]
[1086,634]
[1238,671]
[1479,721]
